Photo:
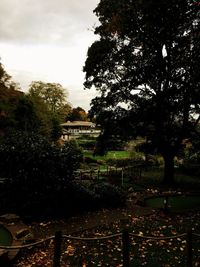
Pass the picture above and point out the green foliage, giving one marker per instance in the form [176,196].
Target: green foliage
[77,114]
[53,94]
[64,111]
[110,155]
[125,162]
[87,144]
[105,143]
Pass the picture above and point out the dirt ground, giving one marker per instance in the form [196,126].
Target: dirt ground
[89,220]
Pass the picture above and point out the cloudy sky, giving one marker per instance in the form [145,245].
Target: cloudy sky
[47,40]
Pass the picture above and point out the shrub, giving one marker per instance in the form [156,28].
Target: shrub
[40,179]
[125,162]
[36,169]
[110,196]
[32,158]
[90,160]
[87,144]
[191,163]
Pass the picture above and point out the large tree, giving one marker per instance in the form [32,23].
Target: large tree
[51,106]
[147,57]
[53,94]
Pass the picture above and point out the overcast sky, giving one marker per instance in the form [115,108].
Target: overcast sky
[47,40]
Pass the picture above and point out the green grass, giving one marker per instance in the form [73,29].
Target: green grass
[5,237]
[175,203]
[109,155]
[153,177]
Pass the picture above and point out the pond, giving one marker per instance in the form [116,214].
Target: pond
[5,237]
[174,203]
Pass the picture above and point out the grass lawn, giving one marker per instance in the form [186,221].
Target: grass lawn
[176,203]
[153,177]
[109,155]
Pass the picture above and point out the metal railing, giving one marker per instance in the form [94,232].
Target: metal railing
[110,171]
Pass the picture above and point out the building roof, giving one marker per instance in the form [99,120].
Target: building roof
[78,123]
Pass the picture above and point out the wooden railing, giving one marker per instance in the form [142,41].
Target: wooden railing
[125,235]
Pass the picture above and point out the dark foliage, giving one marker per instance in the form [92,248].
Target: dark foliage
[25,115]
[39,179]
[110,196]
[145,66]
[124,162]
[87,144]
[36,170]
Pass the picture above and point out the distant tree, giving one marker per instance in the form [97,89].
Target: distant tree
[25,115]
[64,112]
[77,114]
[43,113]
[51,107]
[9,97]
[53,94]
[56,130]
[146,67]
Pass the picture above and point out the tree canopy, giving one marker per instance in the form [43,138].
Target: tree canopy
[9,98]
[53,94]
[146,67]
[51,106]
[77,114]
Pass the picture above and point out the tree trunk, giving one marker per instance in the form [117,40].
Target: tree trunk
[168,169]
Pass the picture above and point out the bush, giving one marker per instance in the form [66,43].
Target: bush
[32,158]
[87,144]
[73,199]
[90,160]
[40,179]
[191,163]
[110,196]
[36,169]
[125,162]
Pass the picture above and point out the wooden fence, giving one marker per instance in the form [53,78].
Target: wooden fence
[125,235]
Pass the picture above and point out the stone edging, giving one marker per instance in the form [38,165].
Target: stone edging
[20,232]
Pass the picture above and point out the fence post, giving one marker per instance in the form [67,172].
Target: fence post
[57,249]
[166,204]
[125,249]
[189,248]
[122,177]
